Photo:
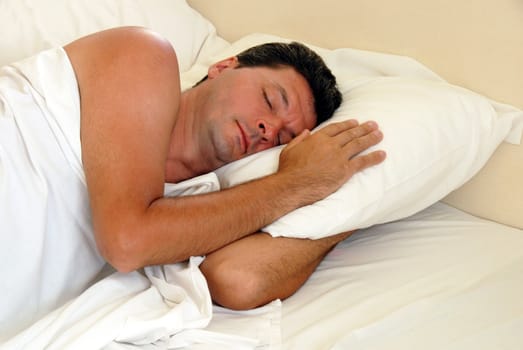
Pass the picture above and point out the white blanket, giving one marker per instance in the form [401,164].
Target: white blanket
[48,251]
[163,307]
[166,307]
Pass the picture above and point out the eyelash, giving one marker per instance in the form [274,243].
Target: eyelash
[267,99]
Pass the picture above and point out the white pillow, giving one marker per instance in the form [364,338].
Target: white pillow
[437,136]
[33,25]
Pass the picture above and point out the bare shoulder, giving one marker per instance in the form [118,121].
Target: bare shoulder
[133,50]
[126,71]
[118,43]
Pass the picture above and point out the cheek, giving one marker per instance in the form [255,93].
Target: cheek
[220,145]
[242,107]
[246,101]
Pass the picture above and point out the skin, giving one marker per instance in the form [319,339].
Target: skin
[139,131]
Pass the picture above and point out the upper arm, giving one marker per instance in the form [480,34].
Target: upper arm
[129,88]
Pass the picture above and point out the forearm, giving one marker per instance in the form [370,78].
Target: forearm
[257,269]
[173,229]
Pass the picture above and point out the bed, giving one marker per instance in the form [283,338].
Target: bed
[438,261]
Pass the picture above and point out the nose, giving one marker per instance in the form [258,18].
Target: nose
[269,127]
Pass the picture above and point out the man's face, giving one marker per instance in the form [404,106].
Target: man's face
[253,109]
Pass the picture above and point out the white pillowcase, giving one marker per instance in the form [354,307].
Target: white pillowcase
[436,135]
[30,26]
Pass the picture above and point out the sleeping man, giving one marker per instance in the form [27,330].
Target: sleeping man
[89,134]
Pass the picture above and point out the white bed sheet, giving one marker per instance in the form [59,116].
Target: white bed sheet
[441,279]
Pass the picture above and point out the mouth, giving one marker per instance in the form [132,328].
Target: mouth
[243,139]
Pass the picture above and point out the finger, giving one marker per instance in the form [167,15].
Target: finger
[334,129]
[356,132]
[361,143]
[365,161]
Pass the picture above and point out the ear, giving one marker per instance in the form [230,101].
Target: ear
[218,67]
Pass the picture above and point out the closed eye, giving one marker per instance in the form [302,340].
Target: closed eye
[266,98]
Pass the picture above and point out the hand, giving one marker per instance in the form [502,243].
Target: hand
[322,162]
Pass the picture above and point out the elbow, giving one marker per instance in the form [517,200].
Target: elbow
[121,264]
[235,287]
[119,249]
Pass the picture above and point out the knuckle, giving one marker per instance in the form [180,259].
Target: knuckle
[352,133]
[359,143]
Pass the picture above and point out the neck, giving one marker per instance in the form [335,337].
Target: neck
[185,159]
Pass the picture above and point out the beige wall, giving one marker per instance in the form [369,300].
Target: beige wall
[465,41]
